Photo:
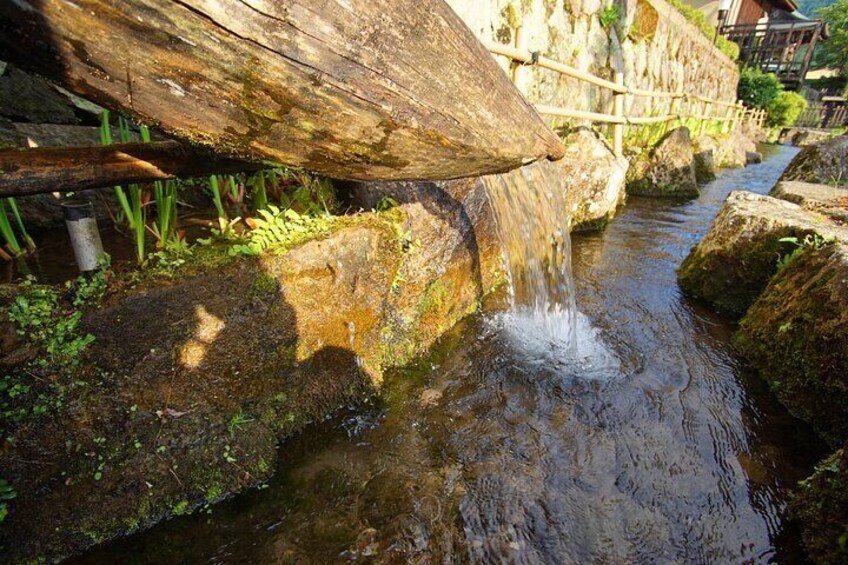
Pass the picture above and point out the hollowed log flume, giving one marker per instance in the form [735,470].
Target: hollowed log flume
[353,89]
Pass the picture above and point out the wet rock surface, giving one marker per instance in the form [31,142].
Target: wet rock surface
[823,163]
[197,378]
[667,170]
[731,266]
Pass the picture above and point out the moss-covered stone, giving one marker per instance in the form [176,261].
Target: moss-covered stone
[822,163]
[796,334]
[820,506]
[197,372]
[668,170]
[731,266]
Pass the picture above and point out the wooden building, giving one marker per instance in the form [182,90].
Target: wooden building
[772,34]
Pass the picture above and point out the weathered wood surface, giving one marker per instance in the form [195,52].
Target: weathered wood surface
[63,169]
[357,89]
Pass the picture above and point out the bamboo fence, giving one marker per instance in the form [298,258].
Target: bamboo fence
[682,107]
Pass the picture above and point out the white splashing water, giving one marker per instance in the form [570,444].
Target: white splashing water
[533,227]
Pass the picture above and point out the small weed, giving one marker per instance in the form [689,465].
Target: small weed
[237,421]
[610,16]
[811,241]
[386,203]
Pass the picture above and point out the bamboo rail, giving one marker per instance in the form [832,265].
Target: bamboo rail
[729,114]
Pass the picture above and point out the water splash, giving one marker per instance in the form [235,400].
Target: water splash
[533,227]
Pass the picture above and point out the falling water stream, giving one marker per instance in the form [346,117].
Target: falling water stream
[628,432]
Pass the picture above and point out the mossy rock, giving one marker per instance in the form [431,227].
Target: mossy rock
[796,334]
[732,265]
[820,506]
[822,163]
[668,170]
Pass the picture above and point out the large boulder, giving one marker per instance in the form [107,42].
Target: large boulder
[731,266]
[667,170]
[796,334]
[828,200]
[823,163]
[593,179]
[704,149]
[735,150]
[202,370]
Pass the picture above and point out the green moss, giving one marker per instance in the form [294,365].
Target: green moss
[820,507]
[795,334]
[265,284]
[433,298]
[731,280]
[180,508]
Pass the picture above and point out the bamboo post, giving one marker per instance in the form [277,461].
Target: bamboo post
[618,111]
[705,115]
[520,44]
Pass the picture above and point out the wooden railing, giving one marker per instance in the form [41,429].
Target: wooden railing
[683,106]
[818,115]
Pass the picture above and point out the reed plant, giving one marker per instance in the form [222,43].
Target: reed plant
[8,233]
[125,213]
[215,188]
[165,197]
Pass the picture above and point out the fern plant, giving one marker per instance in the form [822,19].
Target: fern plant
[278,228]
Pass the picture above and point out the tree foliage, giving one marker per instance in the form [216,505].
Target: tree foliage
[833,52]
[756,88]
[784,109]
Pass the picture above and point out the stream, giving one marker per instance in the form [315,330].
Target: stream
[655,445]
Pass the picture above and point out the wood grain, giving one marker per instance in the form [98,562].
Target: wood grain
[354,89]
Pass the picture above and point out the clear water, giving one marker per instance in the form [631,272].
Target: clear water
[534,231]
[656,446]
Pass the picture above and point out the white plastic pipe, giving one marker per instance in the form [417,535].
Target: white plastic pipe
[85,238]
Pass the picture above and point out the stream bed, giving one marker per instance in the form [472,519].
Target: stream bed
[655,445]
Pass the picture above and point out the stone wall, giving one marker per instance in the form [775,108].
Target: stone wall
[651,43]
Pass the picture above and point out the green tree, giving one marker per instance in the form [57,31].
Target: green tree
[833,52]
[785,108]
[756,88]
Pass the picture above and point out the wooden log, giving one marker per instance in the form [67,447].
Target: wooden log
[353,89]
[64,169]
